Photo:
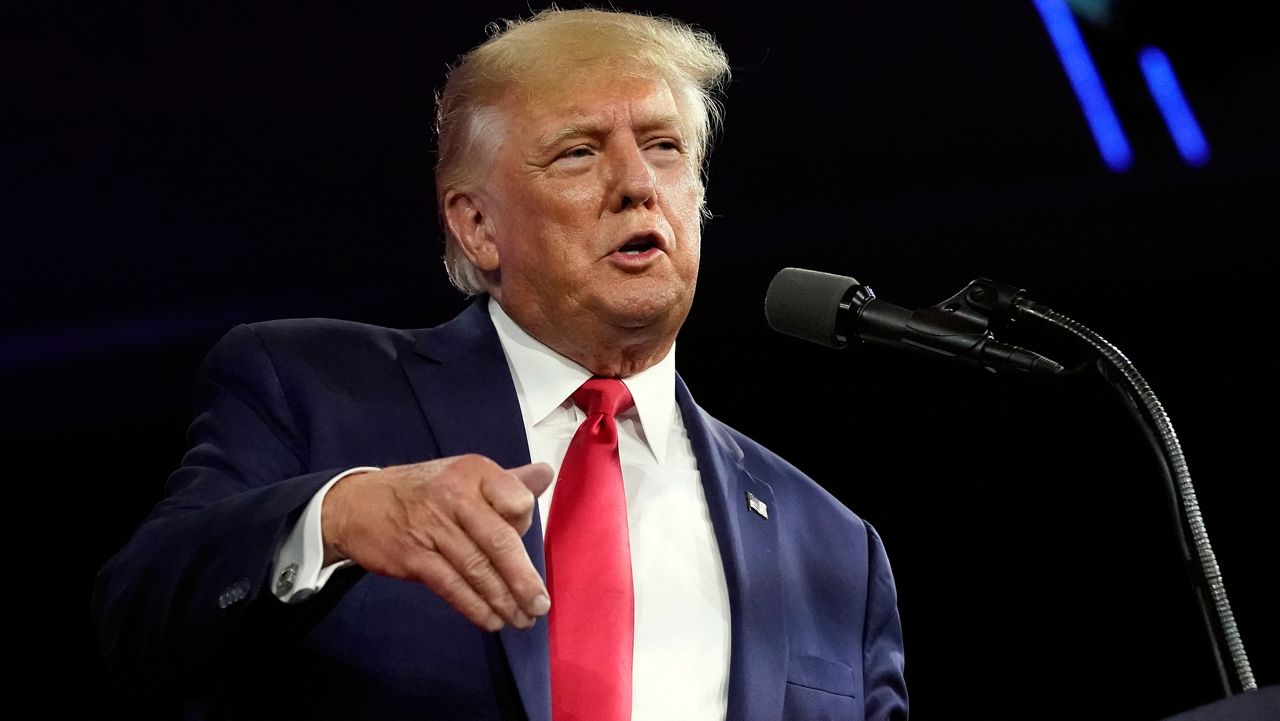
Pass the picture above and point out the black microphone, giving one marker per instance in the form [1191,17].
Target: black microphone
[833,310]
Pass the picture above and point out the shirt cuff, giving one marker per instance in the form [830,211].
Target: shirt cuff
[299,572]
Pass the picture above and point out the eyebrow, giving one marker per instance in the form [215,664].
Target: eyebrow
[666,120]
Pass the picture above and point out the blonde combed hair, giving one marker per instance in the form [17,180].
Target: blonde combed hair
[553,44]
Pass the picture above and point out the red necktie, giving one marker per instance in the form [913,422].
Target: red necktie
[588,557]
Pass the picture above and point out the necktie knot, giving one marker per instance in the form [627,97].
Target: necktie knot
[603,395]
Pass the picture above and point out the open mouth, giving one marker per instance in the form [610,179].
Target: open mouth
[638,246]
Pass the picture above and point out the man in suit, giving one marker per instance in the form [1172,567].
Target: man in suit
[358,529]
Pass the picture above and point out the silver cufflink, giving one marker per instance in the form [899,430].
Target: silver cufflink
[284,582]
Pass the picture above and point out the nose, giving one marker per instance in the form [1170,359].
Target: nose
[634,183]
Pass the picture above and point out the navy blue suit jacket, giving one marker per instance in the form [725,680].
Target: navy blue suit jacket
[286,405]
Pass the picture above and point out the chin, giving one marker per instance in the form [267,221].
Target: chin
[664,312]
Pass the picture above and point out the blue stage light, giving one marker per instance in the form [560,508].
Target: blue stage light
[1173,105]
[1098,112]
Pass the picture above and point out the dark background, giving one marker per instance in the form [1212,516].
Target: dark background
[175,170]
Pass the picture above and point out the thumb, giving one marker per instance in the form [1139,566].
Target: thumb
[535,476]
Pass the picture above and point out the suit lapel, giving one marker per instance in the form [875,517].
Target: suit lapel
[748,545]
[460,376]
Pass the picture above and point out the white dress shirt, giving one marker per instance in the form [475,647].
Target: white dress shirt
[681,658]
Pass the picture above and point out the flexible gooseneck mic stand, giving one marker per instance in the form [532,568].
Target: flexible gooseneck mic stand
[990,303]
[834,311]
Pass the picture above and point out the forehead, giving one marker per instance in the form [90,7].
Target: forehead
[593,99]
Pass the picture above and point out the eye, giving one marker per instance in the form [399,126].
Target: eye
[578,151]
[664,152]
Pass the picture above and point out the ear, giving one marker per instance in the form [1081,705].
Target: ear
[464,213]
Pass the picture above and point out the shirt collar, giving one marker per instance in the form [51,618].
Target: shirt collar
[544,379]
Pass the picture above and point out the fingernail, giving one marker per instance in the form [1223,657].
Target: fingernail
[494,623]
[541,604]
[522,621]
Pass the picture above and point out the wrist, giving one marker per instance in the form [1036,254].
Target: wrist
[333,519]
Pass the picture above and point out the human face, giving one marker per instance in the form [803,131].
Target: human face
[592,209]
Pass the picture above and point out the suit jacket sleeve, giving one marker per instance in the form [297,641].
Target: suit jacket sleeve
[883,661]
[193,580]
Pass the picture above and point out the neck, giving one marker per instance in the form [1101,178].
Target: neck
[615,361]
[618,354]
[606,350]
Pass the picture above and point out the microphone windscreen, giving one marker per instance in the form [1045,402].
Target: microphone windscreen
[805,303]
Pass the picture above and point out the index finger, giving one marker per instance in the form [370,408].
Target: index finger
[515,498]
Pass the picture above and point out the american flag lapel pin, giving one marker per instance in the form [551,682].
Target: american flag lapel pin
[757,505]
